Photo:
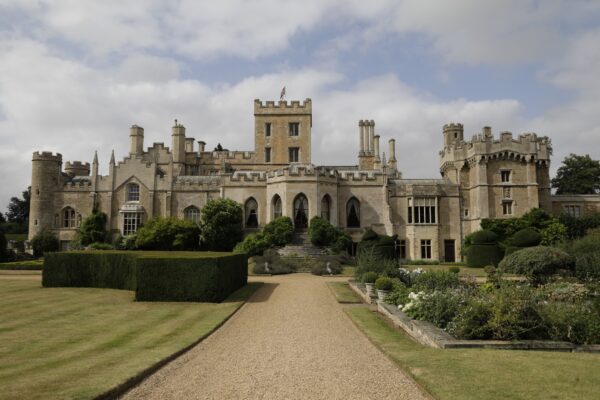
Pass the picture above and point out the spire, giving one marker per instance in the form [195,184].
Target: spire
[95,157]
[112,158]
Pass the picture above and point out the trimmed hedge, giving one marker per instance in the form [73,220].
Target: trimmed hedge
[154,277]
[90,269]
[480,255]
[190,279]
[484,236]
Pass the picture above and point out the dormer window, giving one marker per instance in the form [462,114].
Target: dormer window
[133,192]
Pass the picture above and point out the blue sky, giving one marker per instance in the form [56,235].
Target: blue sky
[75,74]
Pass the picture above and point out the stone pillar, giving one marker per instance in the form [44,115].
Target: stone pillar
[361,137]
[189,145]
[392,154]
[376,145]
[372,137]
[136,136]
[366,136]
[201,146]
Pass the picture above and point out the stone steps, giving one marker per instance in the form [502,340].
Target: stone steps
[301,253]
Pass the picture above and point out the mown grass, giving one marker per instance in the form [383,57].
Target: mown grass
[36,265]
[79,342]
[485,374]
[343,293]
[19,237]
[161,254]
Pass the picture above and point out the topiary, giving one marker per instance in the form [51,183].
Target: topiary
[321,232]
[370,234]
[93,229]
[279,232]
[484,236]
[537,263]
[221,226]
[383,283]
[527,237]
[253,245]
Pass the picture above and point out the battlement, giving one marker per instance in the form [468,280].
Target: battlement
[76,164]
[231,155]
[248,176]
[282,107]
[452,126]
[46,156]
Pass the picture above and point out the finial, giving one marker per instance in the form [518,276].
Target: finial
[175,122]
[95,157]
[112,158]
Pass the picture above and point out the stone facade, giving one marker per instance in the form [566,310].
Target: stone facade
[481,178]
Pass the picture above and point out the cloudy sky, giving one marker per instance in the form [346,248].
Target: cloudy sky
[75,74]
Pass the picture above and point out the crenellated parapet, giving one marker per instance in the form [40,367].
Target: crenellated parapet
[282,106]
[197,182]
[77,168]
[423,188]
[46,156]
[248,176]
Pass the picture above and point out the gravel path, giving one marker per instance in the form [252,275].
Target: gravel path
[290,341]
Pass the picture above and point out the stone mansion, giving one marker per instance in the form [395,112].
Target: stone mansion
[482,177]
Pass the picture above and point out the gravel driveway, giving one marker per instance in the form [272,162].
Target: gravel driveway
[290,341]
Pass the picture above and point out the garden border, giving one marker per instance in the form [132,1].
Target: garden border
[430,335]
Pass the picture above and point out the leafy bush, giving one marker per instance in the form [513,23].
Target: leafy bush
[587,266]
[369,234]
[342,243]
[380,246]
[438,307]
[578,227]
[43,242]
[168,234]
[327,266]
[101,246]
[3,251]
[369,277]
[472,320]
[279,232]
[253,244]
[383,283]
[435,280]
[272,263]
[573,322]
[421,262]
[221,226]
[527,237]
[116,270]
[93,229]
[537,263]
[480,255]
[554,234]
[321,232]
[399,294]
[203,279]
[454,269]
[484,236]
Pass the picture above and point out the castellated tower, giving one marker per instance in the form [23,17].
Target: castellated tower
[45,180]
[136,139]
[497,177]
[282,132]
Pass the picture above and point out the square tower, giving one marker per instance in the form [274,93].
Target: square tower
[282,132]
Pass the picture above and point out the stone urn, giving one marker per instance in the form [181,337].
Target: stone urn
[381,294]
[370,289]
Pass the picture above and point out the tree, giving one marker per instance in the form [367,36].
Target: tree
[44,241]
[221,225]
[18,209]
[93,229]
[2,219]
[578,175]
[168,234]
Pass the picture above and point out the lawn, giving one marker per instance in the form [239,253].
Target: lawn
[80,342]
[343,293]
[24,265]
[485,374]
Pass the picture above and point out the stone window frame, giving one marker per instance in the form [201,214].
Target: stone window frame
[68,218]
[294,154]
[276,206]
[423,210]
[508,207]
[506,173]
[191,213]
[131,222]
[268,154]
[426,249]
[293,129]
[251,213]
[133,195]
[353,201]
[326,214]
[573,210]
[268,129]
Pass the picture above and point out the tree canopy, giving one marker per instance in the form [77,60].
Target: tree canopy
[18,209]
[221,226]
[578,175]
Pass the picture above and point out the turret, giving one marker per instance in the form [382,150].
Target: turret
[45,180]
[77,168]
[201,146]
[178,139]
[136,137]
[453,133]
[392,162]
[189,145]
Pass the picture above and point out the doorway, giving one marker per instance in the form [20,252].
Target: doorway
[301,212]
[449,252]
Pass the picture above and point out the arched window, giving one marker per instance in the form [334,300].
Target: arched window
[301,212]
[277,208]
[133,192]
[192,213]
[68,218]
[326,207]
[353,213]
[251,213]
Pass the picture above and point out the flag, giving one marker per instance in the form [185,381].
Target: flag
[282,95]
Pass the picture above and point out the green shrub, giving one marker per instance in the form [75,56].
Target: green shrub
[586,244]
[253,244]
[342,243]
[537,263]
[93,229]
[421,262]
[578,227]
[527,237]
[101,246]
[454,269]
[279,232]
[272,263]
[554,234]
[399,294]
[202,279]
[369,234]
[321,232]
[321,265]
[435,280]
[480,255]
[168,234]
[587,266]
[43,242]
[369,277]
[472,320]
[222,222]
[3,251]
[370,260]
[484,236]
[29,265]
[90,269]
[438,307]
[573,322]
[383,283]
